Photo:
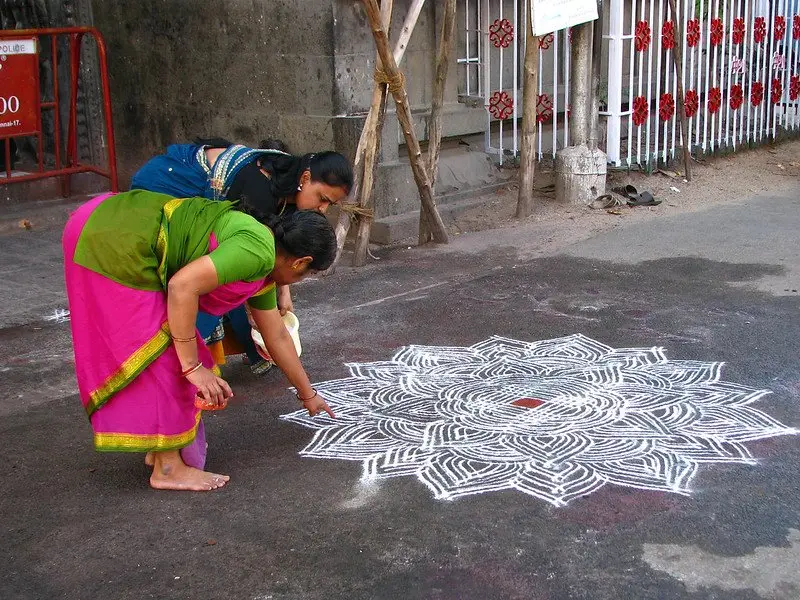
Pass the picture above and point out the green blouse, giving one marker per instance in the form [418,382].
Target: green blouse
[140,239]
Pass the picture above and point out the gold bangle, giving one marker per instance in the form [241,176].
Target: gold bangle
[189,339]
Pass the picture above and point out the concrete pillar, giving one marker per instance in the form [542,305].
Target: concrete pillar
[579,93]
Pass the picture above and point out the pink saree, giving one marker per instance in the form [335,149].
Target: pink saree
[127,368]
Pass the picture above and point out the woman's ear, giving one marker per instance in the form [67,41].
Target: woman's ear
[305,177]
[301,264]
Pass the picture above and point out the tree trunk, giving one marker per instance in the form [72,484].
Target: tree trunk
[530,97]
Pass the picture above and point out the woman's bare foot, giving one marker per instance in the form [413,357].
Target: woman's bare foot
[149,460]
[170,473]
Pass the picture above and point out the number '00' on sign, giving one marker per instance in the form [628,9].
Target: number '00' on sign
[9,105]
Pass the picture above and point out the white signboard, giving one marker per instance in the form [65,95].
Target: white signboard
[9,47]
[552,15]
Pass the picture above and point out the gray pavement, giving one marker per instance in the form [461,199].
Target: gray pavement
[715,285]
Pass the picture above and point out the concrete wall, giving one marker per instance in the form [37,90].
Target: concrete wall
[243,69]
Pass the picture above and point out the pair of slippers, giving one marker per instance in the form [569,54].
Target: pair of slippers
[636,198]
[631,195]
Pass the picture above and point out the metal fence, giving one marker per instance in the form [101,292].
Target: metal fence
[740,73]
[494,50]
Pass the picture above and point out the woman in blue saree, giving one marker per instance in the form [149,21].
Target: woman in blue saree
[273,182]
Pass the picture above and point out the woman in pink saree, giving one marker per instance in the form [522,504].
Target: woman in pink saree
[138,266]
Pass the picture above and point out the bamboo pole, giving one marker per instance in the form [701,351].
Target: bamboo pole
[530,97]
[677,61]
[373,124]
[396,83]
[371,134]
[437,102]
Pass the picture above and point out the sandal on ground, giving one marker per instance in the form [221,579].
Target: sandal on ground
[605,201]
[636,198]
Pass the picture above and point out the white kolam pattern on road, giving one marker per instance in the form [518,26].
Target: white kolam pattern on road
[587,415]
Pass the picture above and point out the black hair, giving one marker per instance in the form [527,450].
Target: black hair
[273,144]
[260,196]
[305,233]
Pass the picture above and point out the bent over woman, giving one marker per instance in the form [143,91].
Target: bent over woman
[139,266]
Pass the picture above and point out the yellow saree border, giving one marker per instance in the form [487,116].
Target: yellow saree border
[129,369]
[161,240]
[132,442]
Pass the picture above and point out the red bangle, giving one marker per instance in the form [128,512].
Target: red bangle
[191,370]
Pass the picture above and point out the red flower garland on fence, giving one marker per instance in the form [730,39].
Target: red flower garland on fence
[759,30]
[642,39]
[641,110]
[666,107]
[716,32]
[780,27]
[757,94]
[737,96]
[796,27]
[545,41]
[714,100]
[738,31]
[776,91]
[544,108]
[692,32]
[501,105]
[691,103]
[794,87]
[668,35]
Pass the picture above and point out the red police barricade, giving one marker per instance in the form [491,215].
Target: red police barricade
[21,102]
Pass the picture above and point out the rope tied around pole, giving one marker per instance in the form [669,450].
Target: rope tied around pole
[354,210]
[396,82]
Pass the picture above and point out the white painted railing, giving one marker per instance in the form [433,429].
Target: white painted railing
[494,49]
[740,76]
[740,73]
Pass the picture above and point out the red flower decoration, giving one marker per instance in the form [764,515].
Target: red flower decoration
[668,35]
[738,31]
[716,32]
[757,94]
[796,27]
[642,38]
[794,87]
[691,103]
[666,107]
[737,96]
[692,32]
[776,91]
[714,100]
[546,41]
[544,108]
[501,106]
[759,30]
[641,110]
[501,33]
[780,27]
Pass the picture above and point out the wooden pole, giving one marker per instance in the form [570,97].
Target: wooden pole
[437,102]
[373,124]
[530,98]
[677,61]
[371,134]
[394,78]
